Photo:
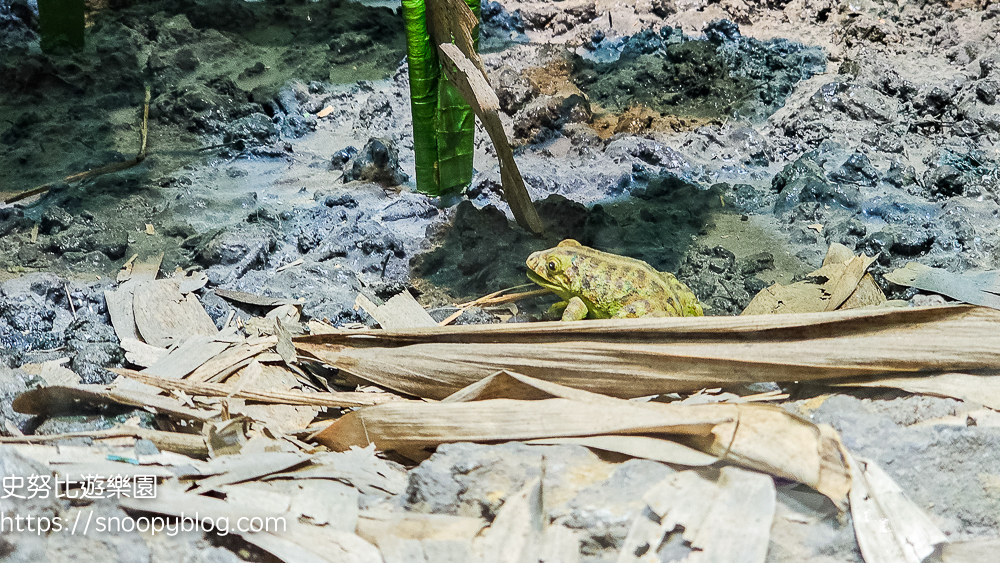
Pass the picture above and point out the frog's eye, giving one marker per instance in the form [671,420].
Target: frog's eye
[552,265]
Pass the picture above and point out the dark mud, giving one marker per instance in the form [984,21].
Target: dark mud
[722,74]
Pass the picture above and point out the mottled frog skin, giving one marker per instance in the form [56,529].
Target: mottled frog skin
[599,285]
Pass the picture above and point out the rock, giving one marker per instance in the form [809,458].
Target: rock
[513,89]
[848,232]
[933,100]
[602,513]
[349,45]
[376,113]
[12,220]
[26,316]
[720,31]
[753,147]
[746,197]
[858,102]
[111,240]
[55,219]
[550,112]
[90,262]
[12,384]
[715,278]
[877,243]
[910,241]
[882,429]
[342,200]
[29,546]
[664,8]
[756,263]
[857,169]
[467,261]
[122,545]
[332,290]
[499,27]
[233,245]
[900,175]
[94,346]
[253,129]
[988,91]
[649,151]
[599,501]
[377,162]
[342,157]
[803,181]
[945,181]
[232,252]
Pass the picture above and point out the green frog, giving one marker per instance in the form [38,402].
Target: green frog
[600,285]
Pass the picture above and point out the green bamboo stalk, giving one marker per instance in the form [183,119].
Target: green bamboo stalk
[443,123]
[61,25]
[424,72]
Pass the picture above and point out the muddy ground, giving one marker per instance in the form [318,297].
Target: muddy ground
[730,142]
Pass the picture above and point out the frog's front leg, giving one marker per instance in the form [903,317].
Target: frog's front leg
[576,310]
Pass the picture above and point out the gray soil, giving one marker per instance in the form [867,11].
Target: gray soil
[708,139]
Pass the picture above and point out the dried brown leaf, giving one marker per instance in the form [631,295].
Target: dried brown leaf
[760,437]
[164,316]
[667,355]
[889,527]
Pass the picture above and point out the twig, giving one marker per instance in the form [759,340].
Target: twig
[492,299]
[451,318]
[492,295]
[765,396]
[70,299]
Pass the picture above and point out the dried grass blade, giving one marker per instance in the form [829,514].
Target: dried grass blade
[645,447]
[769,439]
[981,389]
[263,396]
[648,357]
[416,424]
[801,326]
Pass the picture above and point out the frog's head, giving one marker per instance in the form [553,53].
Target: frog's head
[551,268]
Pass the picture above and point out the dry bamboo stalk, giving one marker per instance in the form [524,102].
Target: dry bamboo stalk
[191,445]
[638,357]
[260,395]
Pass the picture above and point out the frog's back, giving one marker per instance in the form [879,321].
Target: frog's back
[618,286]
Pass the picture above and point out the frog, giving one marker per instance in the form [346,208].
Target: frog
[601,285]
